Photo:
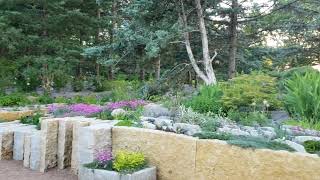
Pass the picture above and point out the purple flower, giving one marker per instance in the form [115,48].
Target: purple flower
[103,156]
[132,104]
[74,110]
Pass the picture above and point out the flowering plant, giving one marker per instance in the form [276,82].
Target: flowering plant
[132,104]
[74,110]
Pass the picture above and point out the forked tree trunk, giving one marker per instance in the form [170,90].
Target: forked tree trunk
[207,74]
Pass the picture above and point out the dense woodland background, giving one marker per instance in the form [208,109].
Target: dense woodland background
[53,43]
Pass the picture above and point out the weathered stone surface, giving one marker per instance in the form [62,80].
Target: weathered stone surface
[172,154]
[85,173]
[302,139]
[75,144]
[160,123]
[49,144]
[93,138]
[155,110]
[148,125]
[35,150]
[14,115]
[218,160]
[187,129]
[6,145]
[19,138]
[27,150]
[65,142]
[97,174]
[298,131]
[297,147]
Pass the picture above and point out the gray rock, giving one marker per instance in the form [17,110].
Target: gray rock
[155,110]
[149,119]
[267,132]
[118,112]
[236,132]
[279,116]
[298,131]
[293,145]
[148,125]
[163,122]
[187,129]
[302,139]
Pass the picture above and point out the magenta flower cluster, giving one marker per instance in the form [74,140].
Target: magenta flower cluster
[103,156]
[74,109]
[132,104]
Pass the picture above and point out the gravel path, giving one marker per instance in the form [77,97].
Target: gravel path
[14,170]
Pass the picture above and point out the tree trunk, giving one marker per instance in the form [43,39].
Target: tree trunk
[97,41]
[233,40]
[158,68]
[142,74]
[207,75]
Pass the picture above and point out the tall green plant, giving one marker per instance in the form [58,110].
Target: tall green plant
[303,96]
[208,100]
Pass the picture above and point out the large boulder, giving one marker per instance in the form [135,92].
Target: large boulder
[302,139]
[155,110]
[187,129]
[297,147]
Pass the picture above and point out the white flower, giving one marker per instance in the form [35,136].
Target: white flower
[253,104]
[265,102]
[28,84]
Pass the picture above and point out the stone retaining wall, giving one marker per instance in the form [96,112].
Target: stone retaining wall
[14,115]
[179,157]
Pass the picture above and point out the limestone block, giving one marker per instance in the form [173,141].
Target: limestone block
[49,144]
[65,142]
[6,145]
[217,160]
[93,138]
[18,144]
[172,154]
[98,174]
[27,150]
[14,115]
[35,150]
[75,137]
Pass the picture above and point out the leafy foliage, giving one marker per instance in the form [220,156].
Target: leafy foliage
[128,162]
[303,96]
[248,118]
[312,147]
[248,89]
[33,120]
[13,100]
[208,100]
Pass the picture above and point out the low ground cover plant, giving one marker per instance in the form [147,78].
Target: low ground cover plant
[125,162]
[14,99]
[74,110]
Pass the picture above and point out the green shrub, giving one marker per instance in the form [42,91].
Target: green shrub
[45,99]
[208,100]
[247,90]
[257,143]
[77,85]
[302,96]
[62,100]
[104,115]
[248,118]
[128,162]
[61,79]
[122,90]
[312,147]
[187,115]
[13,100]
[32,120]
